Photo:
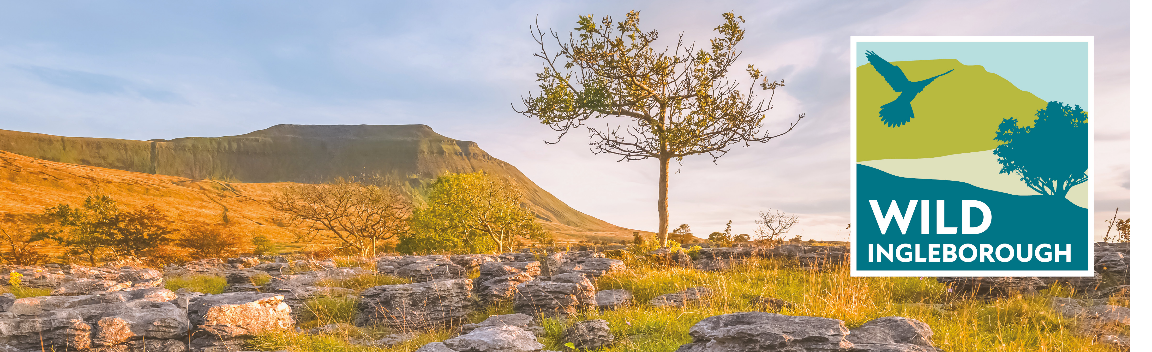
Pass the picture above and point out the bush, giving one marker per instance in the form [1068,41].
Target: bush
[472,213]
[206,240]
[262,245]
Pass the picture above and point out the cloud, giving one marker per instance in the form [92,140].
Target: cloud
[95,83]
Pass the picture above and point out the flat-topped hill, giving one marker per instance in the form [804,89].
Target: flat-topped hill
[406,155]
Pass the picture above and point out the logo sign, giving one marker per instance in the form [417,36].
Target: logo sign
[972,156]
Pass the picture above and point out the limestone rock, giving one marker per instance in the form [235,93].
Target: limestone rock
[589,334]
[565,296]
[434,347]
[519,320]
[895,334]
[415,306]
[240,314]
[106,319]
[592,267]
[612,299]
[992,286]
[504,338]
[756,331]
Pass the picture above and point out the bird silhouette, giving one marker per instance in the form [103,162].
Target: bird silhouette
[898,112]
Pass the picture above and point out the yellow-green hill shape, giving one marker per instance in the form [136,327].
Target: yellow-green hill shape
[957,113]
[979,169]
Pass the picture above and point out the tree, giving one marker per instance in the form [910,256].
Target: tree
[99,225]
[86,230]
[359,215]
[1051,156]
[20,240]
[473,212]
[722,238]
[772,225]
[1123,229]
[677,103]
[139,231]
[683,235]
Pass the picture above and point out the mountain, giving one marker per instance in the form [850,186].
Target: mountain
[407,155]
[958,113]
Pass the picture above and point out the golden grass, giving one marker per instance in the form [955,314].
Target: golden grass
[1020,323]
[209,284]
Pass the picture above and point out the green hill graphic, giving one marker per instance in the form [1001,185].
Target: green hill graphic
[957,113]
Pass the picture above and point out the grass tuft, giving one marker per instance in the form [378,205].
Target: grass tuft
[207,284]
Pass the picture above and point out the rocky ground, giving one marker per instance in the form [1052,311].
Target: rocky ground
[127,308]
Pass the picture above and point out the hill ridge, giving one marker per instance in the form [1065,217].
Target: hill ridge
[407,155]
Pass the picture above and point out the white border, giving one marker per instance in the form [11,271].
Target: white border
[1091,156]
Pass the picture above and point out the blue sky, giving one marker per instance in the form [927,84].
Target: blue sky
[1050,70]
[134,70]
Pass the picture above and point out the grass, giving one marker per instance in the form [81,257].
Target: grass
[25,292]
[208,284]
[363,282]
[959,323]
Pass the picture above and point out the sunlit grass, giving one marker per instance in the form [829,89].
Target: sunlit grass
[208,284]
[25,292]
[364,281]
[1018,323]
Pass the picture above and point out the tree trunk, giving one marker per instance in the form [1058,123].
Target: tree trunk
[662,203]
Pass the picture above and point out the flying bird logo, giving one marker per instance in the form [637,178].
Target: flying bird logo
[898,112]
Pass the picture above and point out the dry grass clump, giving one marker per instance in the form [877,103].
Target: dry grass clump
[364,281]
[207,284]
[25,292]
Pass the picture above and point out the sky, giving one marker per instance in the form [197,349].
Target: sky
[133,70]
[1046,69]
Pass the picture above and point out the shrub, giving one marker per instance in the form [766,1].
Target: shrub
[206,240]
[474,213]
[262,245]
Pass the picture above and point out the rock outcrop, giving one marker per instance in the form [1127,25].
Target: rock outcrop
[892,334]
[564,294]
[769,332]
[153,319]
[415,306]
[589,334]
[756,331]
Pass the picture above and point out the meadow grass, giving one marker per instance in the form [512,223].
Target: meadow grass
[364,281]
[25,292]
[208,284]
[960,323]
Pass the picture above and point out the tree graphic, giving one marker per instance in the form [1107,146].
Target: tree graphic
[1051,156]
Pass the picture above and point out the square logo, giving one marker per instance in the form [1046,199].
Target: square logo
[971,156]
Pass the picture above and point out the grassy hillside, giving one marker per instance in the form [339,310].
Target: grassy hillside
[410,156]
[957,113]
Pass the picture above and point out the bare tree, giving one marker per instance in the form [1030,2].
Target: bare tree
[359,215]
[678,102]
[772,225]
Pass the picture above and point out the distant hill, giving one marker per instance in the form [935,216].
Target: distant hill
[957,113]
[407,155]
